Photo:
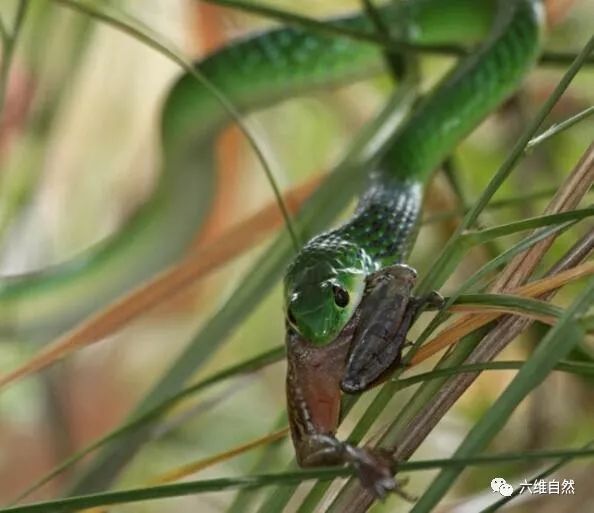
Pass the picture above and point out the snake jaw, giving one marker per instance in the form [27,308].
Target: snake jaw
[322,269]
[381,231]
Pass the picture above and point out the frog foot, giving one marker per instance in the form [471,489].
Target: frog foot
[375,470]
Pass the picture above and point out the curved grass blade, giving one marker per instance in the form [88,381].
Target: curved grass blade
[513,302]
[198,264]
[258,481]
[489,234]
[325,204]
[557,343]
[507,304]
[572,367]
[143,33]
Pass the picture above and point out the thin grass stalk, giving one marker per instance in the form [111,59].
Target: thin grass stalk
[408,430]
[548,58]
[409,438]
[138,30]
[320,210]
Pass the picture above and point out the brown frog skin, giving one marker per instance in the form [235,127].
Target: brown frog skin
[362,356]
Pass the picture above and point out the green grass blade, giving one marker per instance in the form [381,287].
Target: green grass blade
[414,466]
[489,234]
[542,475]
[258,481]
[560,127]
[445,264]
[175,490]
[577,368]
[558,342]
[148,418]
[563,58]
[493,205]
[331,197]
[517,303]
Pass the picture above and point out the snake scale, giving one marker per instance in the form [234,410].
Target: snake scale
[327,300]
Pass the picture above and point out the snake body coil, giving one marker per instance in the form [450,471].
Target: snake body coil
[325,283]
[259,71]
[348,296]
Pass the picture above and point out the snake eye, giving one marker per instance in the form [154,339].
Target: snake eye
[341,296]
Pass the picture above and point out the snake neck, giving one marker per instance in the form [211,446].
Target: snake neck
[385,219]
[325,282]
[384,224]
[466,95]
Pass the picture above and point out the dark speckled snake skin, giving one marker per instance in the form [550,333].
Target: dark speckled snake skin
[324,284]
[348,292]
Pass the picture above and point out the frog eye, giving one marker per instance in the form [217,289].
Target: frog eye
[341,296]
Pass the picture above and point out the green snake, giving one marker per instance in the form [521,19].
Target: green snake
[347,295]
[257,72]
[325,283]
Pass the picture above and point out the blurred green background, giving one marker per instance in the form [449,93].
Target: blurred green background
[78,153]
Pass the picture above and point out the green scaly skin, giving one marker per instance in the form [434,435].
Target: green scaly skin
[252,73]
[380,232]
[325,283]
[328,300]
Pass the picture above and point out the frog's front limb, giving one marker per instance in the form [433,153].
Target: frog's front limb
[385,316]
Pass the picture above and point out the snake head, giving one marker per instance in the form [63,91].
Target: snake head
[323,287]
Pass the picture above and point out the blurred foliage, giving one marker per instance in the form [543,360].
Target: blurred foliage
[78,146]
